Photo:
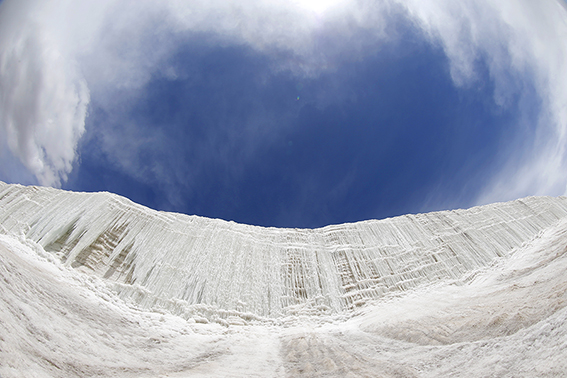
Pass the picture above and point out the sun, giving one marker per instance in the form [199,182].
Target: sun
[317,6]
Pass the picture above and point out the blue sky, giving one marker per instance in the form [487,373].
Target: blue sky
[319,116]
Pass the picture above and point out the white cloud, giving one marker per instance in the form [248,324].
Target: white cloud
[51,49]
[43,100]
[518,40]
[56,54]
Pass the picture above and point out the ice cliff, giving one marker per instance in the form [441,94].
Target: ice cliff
[193,266]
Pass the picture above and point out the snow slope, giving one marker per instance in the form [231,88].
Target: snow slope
[95,285]
[190,264]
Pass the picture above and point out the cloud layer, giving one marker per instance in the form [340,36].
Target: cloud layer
[43,99]
[521,43]
[55,55]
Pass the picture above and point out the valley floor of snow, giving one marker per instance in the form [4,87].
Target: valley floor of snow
[505,319]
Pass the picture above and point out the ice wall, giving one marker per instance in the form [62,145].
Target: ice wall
[193,265]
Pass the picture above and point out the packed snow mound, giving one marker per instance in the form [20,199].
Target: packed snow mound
[194,266]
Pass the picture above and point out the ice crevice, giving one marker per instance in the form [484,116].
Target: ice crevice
[214,269]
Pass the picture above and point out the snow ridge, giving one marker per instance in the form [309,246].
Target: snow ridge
[195,266]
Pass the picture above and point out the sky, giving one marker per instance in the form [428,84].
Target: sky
[298,113]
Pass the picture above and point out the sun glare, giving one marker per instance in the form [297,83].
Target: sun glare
[317,6]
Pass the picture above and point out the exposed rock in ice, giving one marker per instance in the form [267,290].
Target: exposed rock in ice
[194,266]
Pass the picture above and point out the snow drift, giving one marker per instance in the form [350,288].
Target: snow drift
[93,284]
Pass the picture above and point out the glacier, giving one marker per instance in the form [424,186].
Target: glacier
[94,284]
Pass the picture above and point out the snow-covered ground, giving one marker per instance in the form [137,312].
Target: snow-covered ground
[94,285]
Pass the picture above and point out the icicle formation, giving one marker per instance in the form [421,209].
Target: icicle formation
[193,265]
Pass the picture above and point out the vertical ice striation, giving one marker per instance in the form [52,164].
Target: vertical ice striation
[191,264]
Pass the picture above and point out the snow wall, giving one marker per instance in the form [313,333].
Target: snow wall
[191,265]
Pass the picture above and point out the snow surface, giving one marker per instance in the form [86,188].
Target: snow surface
[95,285]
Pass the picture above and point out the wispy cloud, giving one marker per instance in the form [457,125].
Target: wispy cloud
[57,54]
[522,43]
[43,100]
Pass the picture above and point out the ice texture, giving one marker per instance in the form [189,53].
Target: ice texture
[473,293]
[191,265]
